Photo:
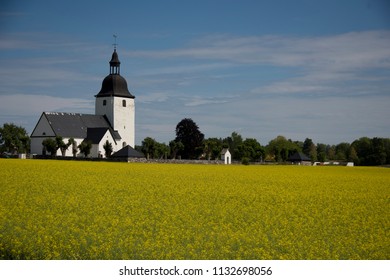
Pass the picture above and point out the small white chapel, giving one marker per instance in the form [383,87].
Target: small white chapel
[113,121]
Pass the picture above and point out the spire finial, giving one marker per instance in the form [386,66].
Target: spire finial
[114,62]
[115,44]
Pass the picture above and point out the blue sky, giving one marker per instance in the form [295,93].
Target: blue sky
[316,69]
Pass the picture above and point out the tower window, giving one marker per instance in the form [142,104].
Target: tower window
[124,103]
[104,102]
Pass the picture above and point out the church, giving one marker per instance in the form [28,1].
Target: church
[113,121]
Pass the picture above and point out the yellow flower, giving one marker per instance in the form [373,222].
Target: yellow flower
[100,210]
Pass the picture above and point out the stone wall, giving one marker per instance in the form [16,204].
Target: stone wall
[136,160]
[170,161]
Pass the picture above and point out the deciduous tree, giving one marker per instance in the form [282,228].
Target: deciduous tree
[310,149]
[188,133]
[212,148]
[72,142]
[49,145]
[14,139]
[251,149]
[281,148]
[61,145]
[233,142]
[85,147]
[175,147]
[149,146]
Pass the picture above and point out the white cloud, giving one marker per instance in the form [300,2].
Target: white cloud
[328,120]
[27,105]
[291,87]
[25,110]
[329,88]
[334,88]
[199,101]
[188,68]
[344,51]
[320,65]
[153,97]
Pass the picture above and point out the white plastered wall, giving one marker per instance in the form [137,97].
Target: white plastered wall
[122,118]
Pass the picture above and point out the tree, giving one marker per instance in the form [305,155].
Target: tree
[379,151]
[161,150]
[49,145]
[363,148]
[72,142]
[331,152]
[321,152]
[387,149]
[107,148]
[342,151]
[176,147]
[85,147]
[280,148]
[212,147]
[310,149]
[61,145]
[353,156]
[14,139]
[375,151]
[233,142]
[251,149]
[149,146]
[188,133]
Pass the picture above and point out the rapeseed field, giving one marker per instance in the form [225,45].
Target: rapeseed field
[99,210]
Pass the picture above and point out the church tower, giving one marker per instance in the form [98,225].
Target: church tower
[116,102]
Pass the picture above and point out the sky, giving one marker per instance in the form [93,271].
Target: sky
[301,69]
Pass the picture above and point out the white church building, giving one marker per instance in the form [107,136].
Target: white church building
[114,119]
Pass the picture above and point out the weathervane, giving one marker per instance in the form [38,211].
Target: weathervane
[115,44]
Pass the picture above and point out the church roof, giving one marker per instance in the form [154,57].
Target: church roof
[95,134]
[114,84]
[299,157]
[114,59]
[76,125]
[128,152]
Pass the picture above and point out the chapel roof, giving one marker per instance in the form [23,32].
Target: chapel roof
[114,84]
[114,59]
[95,134]
[75,125]
[299,157]
[128,152]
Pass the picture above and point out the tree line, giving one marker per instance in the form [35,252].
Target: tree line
[190,143]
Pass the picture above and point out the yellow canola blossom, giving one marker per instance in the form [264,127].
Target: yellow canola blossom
[99,210]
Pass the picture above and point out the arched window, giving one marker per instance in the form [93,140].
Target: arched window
[104,102]
[124,103]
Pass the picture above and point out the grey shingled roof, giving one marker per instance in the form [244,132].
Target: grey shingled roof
[114,85]
[128,152]
[95,134]
[76,125]
[299,157]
